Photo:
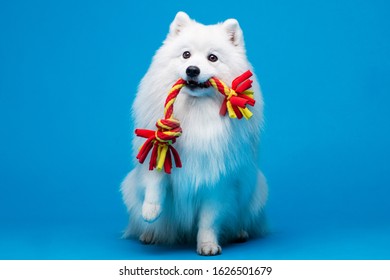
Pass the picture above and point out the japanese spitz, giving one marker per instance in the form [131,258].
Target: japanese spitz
[219,194]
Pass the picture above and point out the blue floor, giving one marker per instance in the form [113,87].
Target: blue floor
[91,241]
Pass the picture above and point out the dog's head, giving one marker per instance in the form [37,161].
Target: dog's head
[197,52]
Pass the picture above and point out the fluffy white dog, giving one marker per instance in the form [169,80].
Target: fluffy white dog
[219,194]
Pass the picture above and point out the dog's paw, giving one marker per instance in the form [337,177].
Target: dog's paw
[151,211]
[146,238]
[209,249]
[242,236]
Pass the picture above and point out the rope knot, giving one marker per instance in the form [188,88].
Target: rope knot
[160,143]
[237,97]
[167,130]
[232,93]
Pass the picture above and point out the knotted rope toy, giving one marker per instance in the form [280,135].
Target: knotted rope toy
[161,140]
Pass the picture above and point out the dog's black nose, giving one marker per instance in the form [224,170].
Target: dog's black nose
[192,71]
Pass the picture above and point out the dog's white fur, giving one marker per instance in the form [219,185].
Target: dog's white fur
[219,193]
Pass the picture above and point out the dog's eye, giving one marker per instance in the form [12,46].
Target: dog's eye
[186,54]
[212,57]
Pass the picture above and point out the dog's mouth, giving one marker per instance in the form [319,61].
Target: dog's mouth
[195,85]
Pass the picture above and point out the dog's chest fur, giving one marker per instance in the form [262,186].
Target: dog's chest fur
[208,143]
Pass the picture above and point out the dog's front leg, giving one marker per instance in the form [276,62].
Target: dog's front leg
[155,191]
[207,238]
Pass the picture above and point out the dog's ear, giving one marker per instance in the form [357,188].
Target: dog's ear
[234,31]
[177,25]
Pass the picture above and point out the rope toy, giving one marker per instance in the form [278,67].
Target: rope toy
[236,97]
[161,140]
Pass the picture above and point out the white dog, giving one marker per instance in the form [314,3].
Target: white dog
[219,194]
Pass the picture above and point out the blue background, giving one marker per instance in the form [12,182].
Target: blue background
[69,71]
